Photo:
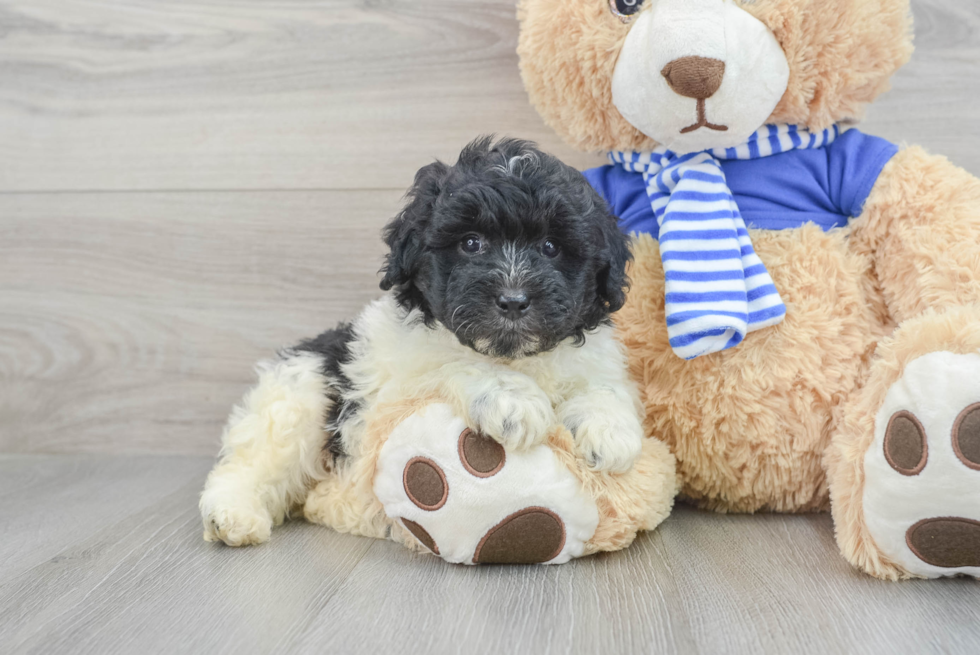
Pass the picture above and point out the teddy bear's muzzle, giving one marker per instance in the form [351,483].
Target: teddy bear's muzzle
[698,74]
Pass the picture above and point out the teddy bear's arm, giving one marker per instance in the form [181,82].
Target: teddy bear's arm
[921,229]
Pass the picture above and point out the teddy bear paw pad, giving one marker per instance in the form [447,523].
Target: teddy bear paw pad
[468,500]
[530,536]
[922,472]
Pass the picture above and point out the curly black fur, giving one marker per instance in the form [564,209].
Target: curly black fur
[515,198]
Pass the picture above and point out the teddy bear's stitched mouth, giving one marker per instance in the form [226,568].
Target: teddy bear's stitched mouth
[703,121]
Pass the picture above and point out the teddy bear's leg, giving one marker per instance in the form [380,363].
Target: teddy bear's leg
[904,466]
[420,476]
[272,452]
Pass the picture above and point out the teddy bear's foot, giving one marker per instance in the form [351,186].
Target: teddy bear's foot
[922,487]
[469,501]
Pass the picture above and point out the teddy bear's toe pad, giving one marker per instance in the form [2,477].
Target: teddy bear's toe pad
[424,537]
[922,476]
[530,536]
[466,499]
[966,437]
[948,543]
[425,484]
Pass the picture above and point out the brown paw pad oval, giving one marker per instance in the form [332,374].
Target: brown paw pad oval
[530,536]
[948,543]
[421,535]
[966,436]
[425,483]
[481,456]
[906,448]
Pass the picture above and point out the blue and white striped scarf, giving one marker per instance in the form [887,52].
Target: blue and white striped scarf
[717,288]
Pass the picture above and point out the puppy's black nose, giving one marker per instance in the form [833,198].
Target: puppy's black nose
[513,305]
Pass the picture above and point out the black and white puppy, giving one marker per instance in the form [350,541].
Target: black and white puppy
[502,274]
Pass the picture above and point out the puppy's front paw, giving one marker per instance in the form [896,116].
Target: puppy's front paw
[517,413]
[609,445]
[237,524]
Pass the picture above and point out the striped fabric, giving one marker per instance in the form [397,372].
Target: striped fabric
[717,288]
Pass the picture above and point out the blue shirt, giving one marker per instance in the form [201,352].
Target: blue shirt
[826,186]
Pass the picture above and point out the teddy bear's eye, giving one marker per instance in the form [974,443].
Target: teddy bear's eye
[625,10]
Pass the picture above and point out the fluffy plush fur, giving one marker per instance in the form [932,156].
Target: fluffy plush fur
[841,54]
[750,425]
[506,222]
[787,420]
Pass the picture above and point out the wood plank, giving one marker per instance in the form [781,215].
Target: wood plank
[239,94]
[132,322]
[703,583]
[215,94]
[49,503]
[933,98]
[149,583]
[129,322]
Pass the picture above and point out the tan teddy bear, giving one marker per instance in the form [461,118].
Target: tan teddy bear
[804,319]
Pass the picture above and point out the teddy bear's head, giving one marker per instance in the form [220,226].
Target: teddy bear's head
[699,74]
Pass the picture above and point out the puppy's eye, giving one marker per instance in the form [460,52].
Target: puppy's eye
[472,244]
[550,249]
[625,10]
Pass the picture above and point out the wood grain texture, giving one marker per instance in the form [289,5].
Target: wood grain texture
[249,94]
[132,322]
[933,98]
[332,94]
[148,583]
[186,185]
[49,503]
[144,581]
[702,583]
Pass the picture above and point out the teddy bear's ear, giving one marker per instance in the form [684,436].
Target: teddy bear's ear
[841,54]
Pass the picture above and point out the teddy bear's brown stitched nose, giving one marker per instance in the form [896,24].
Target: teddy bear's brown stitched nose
[694,77]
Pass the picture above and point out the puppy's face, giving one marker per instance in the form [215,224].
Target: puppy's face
[510,250]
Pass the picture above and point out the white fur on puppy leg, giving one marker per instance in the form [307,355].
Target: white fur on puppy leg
[512,410]
[238,521]
[606,425]
[271,453]
[609,445]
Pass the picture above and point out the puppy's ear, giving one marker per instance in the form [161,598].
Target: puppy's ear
[403,235]
[614,255]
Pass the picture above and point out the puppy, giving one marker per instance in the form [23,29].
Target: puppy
[502,274]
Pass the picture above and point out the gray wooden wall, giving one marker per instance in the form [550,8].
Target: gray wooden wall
[187,185]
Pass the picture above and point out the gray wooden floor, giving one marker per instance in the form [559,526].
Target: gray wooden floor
[186,185]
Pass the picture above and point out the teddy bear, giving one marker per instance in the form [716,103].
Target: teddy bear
[804,318]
